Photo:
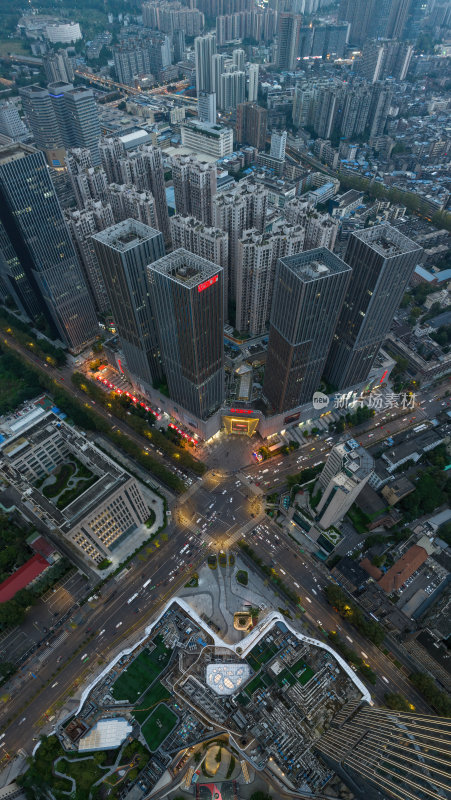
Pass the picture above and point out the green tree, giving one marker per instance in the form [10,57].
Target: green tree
[439,700]
[396,701]
[444,532]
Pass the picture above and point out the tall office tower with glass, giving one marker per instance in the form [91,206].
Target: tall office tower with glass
[309,290]
[187,299]
[382,261]
[123,251]
[390,754]
[37,259]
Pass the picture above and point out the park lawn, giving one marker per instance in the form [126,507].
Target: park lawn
[242,699]
[13,46]
[262,655]
[85,773]
[255,683]
[284,677]
[159,725]
[156,694]
[305,676]
[142,672]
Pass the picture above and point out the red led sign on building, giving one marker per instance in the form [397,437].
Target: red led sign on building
[240,411]
[208,283]
[383,376]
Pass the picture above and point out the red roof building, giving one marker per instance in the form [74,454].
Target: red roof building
[402,569]
[22,577]
[42,546]
[373,572]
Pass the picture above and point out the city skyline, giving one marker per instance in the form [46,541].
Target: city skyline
[225,414]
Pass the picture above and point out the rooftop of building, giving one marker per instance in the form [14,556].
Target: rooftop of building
[313,265]
[22,577]
[403,569]
[412,444]
[351,196]
[198,225]
[352,571]
[373,571]
[387,241]
[107,734]
[208,128]
[35,431]
[186,268]
[135,138]
[126,234]
[14,151]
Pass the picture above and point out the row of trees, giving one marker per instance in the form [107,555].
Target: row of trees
[14,550]
[352,657]
[348,610]
[439,700]
[304,476]
[352,418]
[13,611]
[275,579]
[142,421]
[21,332]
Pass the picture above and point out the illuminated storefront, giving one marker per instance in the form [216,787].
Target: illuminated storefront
[241,422]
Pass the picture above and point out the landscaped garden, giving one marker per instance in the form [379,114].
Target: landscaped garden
[242,577]
[67,482]
[87,770]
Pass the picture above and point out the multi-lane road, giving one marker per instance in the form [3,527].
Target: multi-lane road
[94,630]
[308,579]
[215,512]
[272,474]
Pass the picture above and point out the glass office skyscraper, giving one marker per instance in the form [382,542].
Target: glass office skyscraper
[39,263]
[187,298]
[382,261]
[123,252]
[309,289]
